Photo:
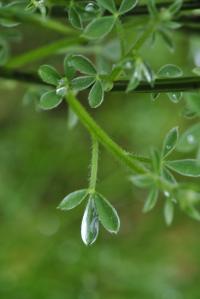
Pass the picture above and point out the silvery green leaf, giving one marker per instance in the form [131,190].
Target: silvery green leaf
[99,27]
[82,82]
[170,71]
[148,74]
[190,139]
[50,100]
[188,167]
[96,95]
[74,18]
[156,159]
[168,176]
[73,199]
[127,5]
[49,74]
[151,200]
[90,223]
[107,214]
[170,142]
[83,64]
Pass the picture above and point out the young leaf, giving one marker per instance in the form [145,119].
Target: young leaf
[127,5]
[99,27]
[170,142]
[83,82]
[170,71]
[188,167]
[107,214]
[190,139]
[108,4]
[73,199]
[83,64]
[169,211]
[49,74]
[90,223]
[96,95]
[49,100]
[151,200]
[74,18]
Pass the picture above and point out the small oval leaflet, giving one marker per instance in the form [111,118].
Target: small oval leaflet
[99,27]
[49,74]
[107,214]
[170,142]
[50,100]
[96,95]
[188,167]
[73,199]
[83,64]
[170,71]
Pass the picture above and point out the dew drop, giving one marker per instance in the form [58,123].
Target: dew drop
[190,139]
[90,7]
[166,193]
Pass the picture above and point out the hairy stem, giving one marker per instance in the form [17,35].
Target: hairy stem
[96,131]
[94,164]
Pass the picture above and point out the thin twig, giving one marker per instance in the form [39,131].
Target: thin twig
[161,85]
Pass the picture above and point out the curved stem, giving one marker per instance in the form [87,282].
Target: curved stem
[94,164]
[95,130]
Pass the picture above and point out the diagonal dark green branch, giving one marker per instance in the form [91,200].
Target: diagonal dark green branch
[161,85]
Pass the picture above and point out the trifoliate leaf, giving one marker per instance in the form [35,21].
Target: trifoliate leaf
[107,214]
[188,167]
[49,74]
[99,27]
[170,142]
[90,223]
[96,95]
[73,199]
[50,100]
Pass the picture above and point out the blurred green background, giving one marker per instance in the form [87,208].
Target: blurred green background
[41,252]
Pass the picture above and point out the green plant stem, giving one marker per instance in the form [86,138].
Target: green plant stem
[17,15]
[184,84]
[96,131]
[94,164]
[43,52]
